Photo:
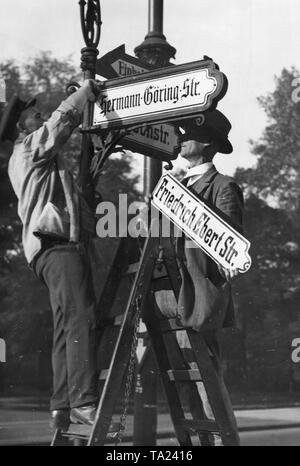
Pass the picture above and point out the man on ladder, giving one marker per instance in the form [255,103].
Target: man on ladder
[205,301]
[57,223]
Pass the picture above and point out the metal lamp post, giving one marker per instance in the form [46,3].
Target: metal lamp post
[155,49]
[90,15]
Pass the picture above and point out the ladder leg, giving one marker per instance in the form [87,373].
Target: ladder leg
[193,396]
[189,391]
[164,364]
[215,389]
[122,349]
[197,412]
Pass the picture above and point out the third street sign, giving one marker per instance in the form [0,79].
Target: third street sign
[158,141]
[166,94]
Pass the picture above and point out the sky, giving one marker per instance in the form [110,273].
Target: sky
[251,40]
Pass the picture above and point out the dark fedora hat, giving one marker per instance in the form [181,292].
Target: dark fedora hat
[11,116]
[206,126]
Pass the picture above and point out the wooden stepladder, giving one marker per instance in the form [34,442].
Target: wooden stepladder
[185,372]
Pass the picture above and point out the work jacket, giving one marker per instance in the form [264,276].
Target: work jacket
[45,181]
[205,299]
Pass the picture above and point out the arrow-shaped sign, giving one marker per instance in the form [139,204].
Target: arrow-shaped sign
[200,223]
[117,63]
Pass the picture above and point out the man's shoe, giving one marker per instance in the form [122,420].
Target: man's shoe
[84,414]
[60,419]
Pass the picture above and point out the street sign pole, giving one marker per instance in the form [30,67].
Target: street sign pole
[90,15]
[156,52]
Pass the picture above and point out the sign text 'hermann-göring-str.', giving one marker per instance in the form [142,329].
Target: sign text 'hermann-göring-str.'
[163,95]
[216,237]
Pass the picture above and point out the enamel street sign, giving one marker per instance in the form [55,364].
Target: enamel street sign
[117,63]
[158,141]
[210,232]
[166,94]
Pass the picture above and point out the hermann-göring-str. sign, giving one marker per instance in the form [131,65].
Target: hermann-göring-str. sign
[163,95]
[201,224]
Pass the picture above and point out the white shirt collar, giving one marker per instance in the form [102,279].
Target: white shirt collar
[195,173]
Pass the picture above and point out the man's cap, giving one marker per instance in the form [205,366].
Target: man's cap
[11,116]
[206,126]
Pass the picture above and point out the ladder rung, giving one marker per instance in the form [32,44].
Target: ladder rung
[132,268]
[170,325]
[185,374]
[84,431]
[78,430]
[199,426]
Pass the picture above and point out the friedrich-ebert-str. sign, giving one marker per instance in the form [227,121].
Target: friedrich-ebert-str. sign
[219,240]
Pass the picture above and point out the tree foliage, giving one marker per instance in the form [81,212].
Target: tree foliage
[268,296]
[276,176]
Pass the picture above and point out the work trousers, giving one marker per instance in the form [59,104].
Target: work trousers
[65,271]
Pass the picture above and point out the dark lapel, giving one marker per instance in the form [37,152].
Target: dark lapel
[204,181]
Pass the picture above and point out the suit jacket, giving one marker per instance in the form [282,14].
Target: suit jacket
[205,299]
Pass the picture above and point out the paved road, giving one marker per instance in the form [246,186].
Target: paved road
[27,423]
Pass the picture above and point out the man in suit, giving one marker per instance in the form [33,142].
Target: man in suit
[205,299]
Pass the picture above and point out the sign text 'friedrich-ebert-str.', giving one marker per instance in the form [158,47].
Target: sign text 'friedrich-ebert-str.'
[200,223]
